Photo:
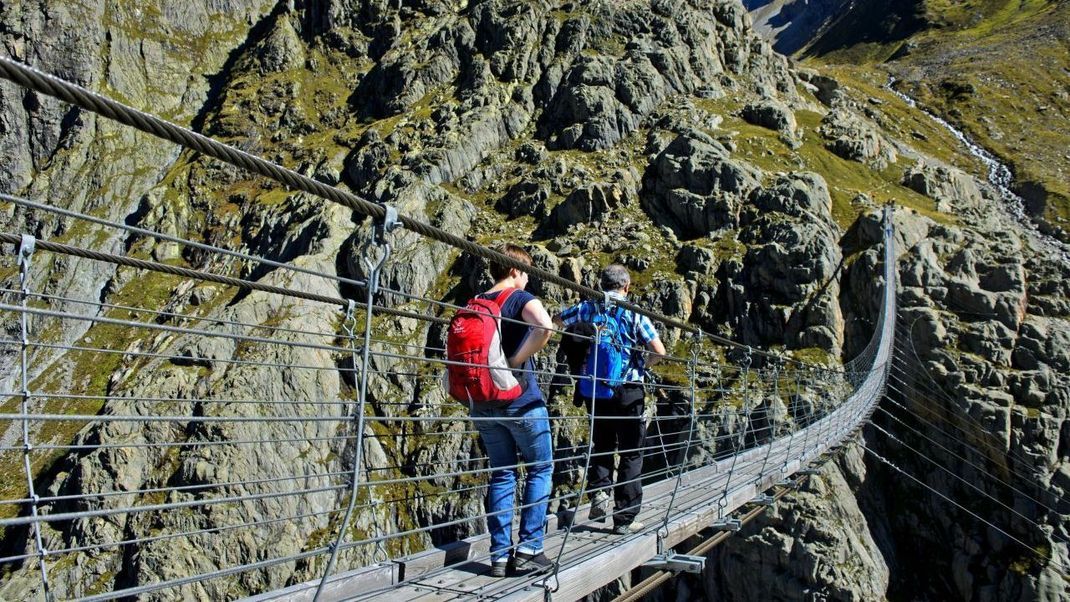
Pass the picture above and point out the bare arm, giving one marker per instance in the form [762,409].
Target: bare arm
[535,314]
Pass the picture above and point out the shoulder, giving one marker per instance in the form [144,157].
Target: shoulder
[516,302]
[575,311]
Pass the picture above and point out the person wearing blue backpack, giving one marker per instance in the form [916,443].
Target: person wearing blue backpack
[611,382]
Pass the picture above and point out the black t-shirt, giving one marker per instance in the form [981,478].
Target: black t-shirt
[513,335]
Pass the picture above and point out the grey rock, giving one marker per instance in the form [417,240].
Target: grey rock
[771,114]
[825,88]
[850,137]
[949,187]
[791,255]
[282,50]
[695,188]
[525,198]
[592,203]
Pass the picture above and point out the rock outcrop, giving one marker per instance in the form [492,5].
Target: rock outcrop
[591,132]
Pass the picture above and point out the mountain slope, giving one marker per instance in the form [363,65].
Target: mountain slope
[665,135]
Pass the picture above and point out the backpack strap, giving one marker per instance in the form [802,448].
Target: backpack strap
[503,296]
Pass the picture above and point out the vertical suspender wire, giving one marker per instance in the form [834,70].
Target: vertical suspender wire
[358,453]
[808,383]
[773,426]
[25,254]
[586,461]
[693,374]
[817,415]
[349,325]
[794,421]
[826,432]
[742,439]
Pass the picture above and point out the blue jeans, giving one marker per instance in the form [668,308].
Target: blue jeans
[525,430]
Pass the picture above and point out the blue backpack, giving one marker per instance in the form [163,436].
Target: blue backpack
[608,360]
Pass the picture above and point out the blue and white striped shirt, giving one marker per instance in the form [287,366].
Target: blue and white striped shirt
[636,337]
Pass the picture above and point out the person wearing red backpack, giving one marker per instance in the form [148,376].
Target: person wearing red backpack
[611,384]
[508,406]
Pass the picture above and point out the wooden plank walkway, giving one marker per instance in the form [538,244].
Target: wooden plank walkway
[594,556]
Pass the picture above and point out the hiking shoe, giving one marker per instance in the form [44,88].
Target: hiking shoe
[632,527]
[524,563]
[498,568]
[599,507]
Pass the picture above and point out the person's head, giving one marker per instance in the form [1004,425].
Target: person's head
[615,277]
[500,271]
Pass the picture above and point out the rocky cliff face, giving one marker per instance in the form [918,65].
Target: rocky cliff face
[666,135]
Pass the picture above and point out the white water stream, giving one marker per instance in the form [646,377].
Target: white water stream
[999,176]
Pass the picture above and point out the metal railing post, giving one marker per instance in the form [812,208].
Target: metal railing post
[693,375]
[24,250]
[586,461]
[773,426]
[741,439]
[389,224]
[794,422]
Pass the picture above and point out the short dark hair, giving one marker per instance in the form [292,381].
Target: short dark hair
[500,271]
[614,277]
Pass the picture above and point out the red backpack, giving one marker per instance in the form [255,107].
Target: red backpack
[474,340]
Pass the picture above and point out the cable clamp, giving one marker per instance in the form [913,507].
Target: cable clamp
[762,500]
[26,248]
[27,448]
[727,524]
[677,563]
[390,222]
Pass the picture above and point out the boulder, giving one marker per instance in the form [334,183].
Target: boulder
[851,137]
[695,188]
[771,114]
[787,293]
[525,198]
[949,187]
[589,204]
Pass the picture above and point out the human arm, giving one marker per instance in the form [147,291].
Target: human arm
[655,352]
[655,349]
[535,315]
[570,315]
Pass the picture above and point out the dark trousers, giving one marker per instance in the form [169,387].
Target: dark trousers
[619,426]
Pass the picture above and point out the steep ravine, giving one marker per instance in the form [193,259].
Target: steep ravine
[1001,178]
[666,135]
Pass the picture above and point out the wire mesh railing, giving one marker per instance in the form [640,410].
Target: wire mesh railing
[722,410]
[340,449]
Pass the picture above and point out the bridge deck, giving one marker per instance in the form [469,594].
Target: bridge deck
[594,556]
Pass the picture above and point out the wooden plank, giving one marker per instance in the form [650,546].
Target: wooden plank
[581,579]
[416,565]
[695,506]
[339,587]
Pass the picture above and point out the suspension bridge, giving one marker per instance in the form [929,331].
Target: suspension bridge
[736,428]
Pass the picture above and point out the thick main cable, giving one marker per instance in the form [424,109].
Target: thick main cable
[29,77]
